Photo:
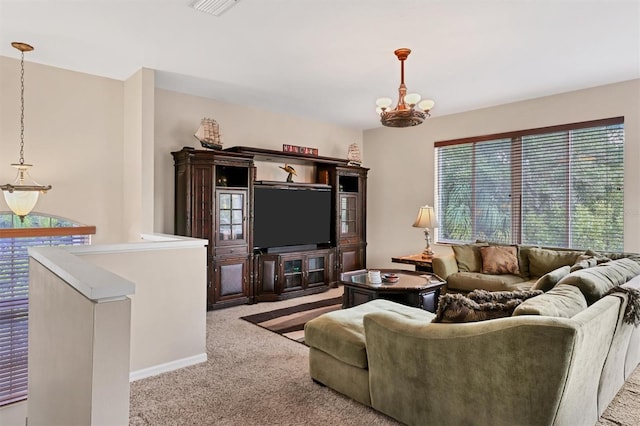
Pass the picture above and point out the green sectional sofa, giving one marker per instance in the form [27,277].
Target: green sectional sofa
[464,269]
[553,363]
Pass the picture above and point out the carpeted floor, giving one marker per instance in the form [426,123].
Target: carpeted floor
[256,377]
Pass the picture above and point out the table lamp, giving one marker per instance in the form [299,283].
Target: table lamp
[426,219]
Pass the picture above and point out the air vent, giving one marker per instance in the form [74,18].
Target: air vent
[214,7]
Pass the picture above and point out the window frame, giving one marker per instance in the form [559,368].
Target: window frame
[516,138]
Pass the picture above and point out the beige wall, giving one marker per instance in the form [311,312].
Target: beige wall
[170,299]
[177,117]
[402,160]
[138,155]
[73,136]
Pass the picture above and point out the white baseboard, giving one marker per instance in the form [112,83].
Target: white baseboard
[166,367]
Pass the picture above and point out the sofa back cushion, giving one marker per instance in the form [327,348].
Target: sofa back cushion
[562,301]
[542,261]
[597,281]
[468,257]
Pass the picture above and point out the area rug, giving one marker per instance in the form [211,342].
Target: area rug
[289,322]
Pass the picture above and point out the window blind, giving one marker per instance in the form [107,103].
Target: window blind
[14,293]
[558,186]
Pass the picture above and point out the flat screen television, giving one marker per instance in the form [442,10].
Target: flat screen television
[291,216]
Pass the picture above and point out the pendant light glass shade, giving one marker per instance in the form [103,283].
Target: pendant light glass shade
[22,195]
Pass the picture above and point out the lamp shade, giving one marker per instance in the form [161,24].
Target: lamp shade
[426,218]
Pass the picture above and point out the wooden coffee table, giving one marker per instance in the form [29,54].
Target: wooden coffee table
[418,289]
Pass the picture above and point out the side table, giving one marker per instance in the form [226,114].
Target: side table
[421,262]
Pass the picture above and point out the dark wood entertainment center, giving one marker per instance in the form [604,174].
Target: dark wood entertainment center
[214,195]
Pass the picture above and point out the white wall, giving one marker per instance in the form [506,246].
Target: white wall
[178,117]
[402,160]
[73,137]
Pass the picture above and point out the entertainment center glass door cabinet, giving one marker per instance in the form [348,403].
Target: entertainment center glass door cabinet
[285,275]
[212,201]
[350,184]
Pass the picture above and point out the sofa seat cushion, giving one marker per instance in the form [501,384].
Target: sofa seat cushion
[597,281]
[469,281]
[563,301]
[341,333]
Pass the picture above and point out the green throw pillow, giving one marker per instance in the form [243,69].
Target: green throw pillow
[468,257]
[550,279]
[563,301]
[597,281]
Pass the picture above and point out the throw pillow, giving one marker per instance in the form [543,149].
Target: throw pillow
[456,308]
[484,296]
[562,301]
[498,260]
[595,282]
[542,261]
[550,279]
[468,257]
[584,261]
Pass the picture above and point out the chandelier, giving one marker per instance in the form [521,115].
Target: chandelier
[22,195]
[405,114]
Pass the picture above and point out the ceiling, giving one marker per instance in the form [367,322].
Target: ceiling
[331,59]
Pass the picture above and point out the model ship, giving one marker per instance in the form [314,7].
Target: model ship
[209,134]
[353,155]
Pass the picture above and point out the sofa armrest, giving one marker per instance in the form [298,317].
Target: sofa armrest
[511,371]
[516,370]
[444,265]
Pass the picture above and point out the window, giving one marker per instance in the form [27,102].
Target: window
[15,238]
[558,186]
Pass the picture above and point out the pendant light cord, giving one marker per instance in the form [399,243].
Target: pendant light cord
[22,108]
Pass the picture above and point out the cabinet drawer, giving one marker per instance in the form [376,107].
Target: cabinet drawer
[236,250]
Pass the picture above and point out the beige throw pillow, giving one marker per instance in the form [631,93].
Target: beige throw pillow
[499,260]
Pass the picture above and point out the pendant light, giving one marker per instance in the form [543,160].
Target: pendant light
[22,195]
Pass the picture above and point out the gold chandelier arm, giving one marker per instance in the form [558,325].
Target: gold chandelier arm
[11,188]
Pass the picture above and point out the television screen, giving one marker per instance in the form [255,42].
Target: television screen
[291,216]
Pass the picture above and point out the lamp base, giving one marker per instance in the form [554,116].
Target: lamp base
[427,253]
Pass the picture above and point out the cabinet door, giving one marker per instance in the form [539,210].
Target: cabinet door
[230,280]
[317,269]
[351,258]
[349,215]
[291,273]
[231,217]
[267,274]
